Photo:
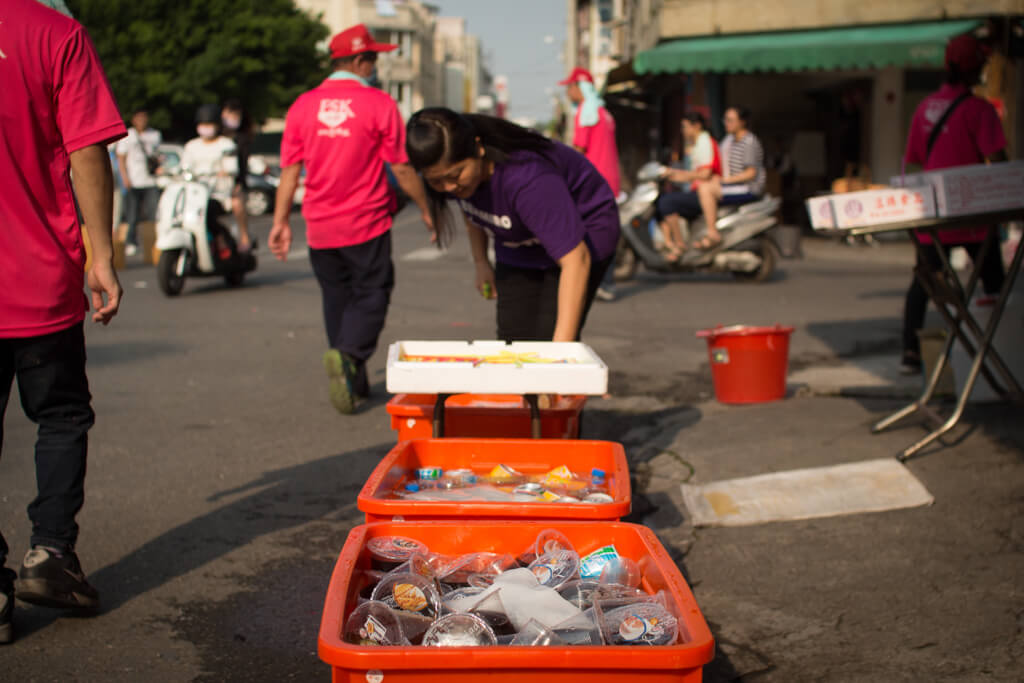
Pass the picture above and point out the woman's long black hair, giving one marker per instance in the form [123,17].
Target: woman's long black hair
[438,134]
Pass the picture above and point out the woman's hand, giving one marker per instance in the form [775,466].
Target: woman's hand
[485,280]
[280,239]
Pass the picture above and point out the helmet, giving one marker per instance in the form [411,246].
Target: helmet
[208,113]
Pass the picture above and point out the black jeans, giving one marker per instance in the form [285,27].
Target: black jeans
[992,276]
[355,286]
[528,300]
[55,395]
[139,205]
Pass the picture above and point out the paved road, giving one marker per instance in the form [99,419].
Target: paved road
[222,484]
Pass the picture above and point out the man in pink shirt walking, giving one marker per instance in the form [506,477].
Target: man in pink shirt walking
[970,133]
[594,136]
[344,132]
[59,116]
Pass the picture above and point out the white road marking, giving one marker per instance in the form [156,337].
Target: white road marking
[424,254]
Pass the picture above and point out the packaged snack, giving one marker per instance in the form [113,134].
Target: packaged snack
[592,564]
[639,624]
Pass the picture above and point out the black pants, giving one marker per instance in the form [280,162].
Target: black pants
[139,205]
[528,300]
[992,276]
[355,286]
[55,395]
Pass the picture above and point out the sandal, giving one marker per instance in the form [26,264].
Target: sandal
[674,254]
[707,242]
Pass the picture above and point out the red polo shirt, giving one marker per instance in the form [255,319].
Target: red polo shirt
[344,132]
[972,133]
[56,100]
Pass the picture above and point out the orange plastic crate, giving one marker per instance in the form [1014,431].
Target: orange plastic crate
[529,456]
[509,664]
[484,415]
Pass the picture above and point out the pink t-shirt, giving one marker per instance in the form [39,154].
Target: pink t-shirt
[344,132]
[972,133]
[56,100]
[598,144]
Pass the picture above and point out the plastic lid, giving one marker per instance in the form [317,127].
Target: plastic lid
[597,473]
[555,568]
[412,486]
[394,548]
[374,623]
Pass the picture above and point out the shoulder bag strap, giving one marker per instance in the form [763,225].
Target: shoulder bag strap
[942,122]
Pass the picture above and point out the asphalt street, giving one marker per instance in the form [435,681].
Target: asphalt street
[222,484]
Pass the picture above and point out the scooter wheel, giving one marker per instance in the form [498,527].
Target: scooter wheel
[625,263]
[769,254]
[167,276]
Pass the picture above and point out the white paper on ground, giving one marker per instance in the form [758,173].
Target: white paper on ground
[869,486]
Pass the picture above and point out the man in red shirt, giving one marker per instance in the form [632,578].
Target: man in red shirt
[59,115]
[971,134]
[344,132]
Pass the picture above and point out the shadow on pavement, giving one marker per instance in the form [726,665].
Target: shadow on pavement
[111,352]
[280,500]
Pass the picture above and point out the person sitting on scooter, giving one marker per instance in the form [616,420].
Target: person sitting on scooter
[212,157]
[552,215]
[743,174]
[703,162]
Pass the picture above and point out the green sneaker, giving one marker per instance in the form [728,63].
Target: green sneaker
[341,371]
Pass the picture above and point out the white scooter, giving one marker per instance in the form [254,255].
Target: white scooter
[746,250]
[192,239]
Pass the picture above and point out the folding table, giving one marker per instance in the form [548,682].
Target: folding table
[952,299]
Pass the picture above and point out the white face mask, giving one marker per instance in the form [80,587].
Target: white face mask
[231,121]
[207,131]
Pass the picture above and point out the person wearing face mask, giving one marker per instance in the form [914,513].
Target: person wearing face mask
[344,132]
[238,126]
[211,154]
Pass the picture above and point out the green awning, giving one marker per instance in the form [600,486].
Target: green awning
[860,47]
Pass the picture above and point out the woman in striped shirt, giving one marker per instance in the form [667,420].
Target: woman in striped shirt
[743,175]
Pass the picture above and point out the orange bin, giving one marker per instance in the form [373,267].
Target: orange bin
[529,456]
[683,661]
[484,415]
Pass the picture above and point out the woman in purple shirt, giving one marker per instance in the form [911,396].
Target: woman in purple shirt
[552,216]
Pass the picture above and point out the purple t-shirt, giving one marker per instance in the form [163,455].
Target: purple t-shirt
[539,206]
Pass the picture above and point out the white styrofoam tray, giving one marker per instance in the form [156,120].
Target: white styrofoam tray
[579,370]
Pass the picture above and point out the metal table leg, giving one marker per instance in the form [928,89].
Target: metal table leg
[960,300]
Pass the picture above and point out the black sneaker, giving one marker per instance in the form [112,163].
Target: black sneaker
[7,577]
[54,580]
[910,364]
[341,375]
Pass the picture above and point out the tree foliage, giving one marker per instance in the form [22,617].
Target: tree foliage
[173,56]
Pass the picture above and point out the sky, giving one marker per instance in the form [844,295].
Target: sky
[522,39]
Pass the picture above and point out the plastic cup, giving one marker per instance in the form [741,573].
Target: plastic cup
[459,630]
[374,623]
[644,623]
[554,568]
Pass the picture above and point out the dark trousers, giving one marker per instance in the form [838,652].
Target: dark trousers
[680,202]
[992,276]
[528,300]
[139,205]
[355,286]
[55,395]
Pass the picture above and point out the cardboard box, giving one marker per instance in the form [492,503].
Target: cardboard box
[978,188]
[823,216]
[877,207]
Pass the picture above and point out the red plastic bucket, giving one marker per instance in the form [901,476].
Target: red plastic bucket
[748,364]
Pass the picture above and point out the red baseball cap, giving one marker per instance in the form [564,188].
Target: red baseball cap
[356,40]
[966,53]
[578,74]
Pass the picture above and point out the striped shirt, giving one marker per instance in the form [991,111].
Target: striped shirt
[740,155]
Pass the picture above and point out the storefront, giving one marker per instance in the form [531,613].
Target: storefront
[825,103]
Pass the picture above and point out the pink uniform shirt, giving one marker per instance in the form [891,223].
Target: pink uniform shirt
[56,100]
[972,133]
[344,132]
[598,144]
